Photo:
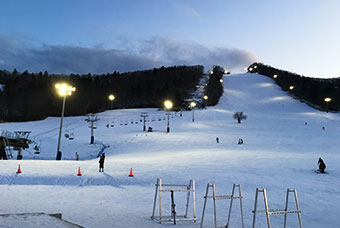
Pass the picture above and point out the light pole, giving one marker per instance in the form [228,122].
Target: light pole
[111,98]
[63,90]
[193,105]
[327,99]
[205,97]
[168,106]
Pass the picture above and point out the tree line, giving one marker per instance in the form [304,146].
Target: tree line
[312,91]
[32,96]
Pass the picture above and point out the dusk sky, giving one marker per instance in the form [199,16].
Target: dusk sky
[81,36]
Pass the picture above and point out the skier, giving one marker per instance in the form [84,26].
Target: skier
[322,166]
[77,156]
[217,140]
[101,163]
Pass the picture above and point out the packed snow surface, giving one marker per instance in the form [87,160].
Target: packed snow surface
[283,139]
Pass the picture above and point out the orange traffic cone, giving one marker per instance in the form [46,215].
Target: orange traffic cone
[79,173]
[131,173]
[19,170]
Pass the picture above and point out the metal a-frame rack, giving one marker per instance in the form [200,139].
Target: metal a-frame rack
[171,188]
[277,211]
[222,197]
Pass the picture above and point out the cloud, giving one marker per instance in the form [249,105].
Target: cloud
[146,54]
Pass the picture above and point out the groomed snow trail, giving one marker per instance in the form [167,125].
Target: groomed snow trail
[279,152]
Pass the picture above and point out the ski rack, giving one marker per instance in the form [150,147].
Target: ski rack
[174,188]
[277,211]
[222,197]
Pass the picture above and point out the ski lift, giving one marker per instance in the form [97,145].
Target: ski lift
[36,148]
[126,123]
[131,121]
[94,125]
[159,118]
[107,124]
[113,123]
[136,121]
[67,135]
[121,123]
[71,137]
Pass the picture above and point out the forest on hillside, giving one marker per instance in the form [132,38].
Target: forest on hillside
[312,91]
[32,96]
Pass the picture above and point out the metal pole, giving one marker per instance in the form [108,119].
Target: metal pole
[168,128]
[255,207]
[189,187]
[239,188]
[194,198]
[193,116]
[60,129]
[154,202]
[214,200]
[231,204]
[160,201]
[266,207]
[286,209]
[92,137]
[111,104]
[298,208]
[204,205]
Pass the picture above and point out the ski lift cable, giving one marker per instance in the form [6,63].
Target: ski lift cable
[57,128]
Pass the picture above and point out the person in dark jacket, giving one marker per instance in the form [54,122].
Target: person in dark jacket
[101,163]
[322,166]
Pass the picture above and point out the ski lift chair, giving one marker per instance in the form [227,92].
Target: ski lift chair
[36,148]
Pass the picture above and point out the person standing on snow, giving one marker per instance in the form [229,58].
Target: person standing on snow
[322,165]
[101,163]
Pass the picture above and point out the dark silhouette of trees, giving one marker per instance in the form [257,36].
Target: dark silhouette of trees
[214,88]
[32,96]
[312,91]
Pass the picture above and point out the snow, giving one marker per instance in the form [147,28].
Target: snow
[33,220]
[279,152]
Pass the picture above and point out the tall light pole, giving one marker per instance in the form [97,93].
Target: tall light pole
[111,98]
[63,90]
[193,105]
[205,97]
[168,106]
[327,99]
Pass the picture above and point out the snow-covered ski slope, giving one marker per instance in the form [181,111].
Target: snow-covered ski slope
[283,139]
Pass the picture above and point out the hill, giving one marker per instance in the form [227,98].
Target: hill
[283,139]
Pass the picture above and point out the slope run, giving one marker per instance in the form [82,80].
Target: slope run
[279,151]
